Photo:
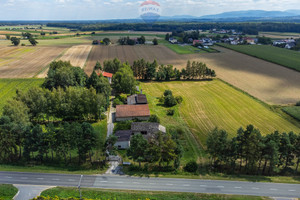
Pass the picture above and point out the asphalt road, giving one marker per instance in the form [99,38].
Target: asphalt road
[154,184]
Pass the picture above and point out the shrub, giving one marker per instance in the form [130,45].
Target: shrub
[170,112]
[298,103]
[154,118]
[179,99]
[117,101]
[170,101]
[191,166]
[161,99]
[168,92]
[23,44]
[95,42]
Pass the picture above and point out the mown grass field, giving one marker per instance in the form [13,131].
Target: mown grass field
[7,192]
[294,111]
[211,104]
[139,195]
[8,88]
[284,57]
[187,49]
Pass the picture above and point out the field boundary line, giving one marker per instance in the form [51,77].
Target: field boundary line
[47,66]
[87,58]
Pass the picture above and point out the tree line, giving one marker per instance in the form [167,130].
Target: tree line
[52,119]
[247,27]
[16,41]
[252,153]
[143,70]
[28,142]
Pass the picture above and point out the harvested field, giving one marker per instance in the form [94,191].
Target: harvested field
[130,53]
[266,81]
[211,104]
[77,55]
[24,62]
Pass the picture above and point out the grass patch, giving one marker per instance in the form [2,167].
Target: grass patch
[210,104]
[7,192]
[8,88]
[141,195]
[293,111]
[187,49]
[281,56]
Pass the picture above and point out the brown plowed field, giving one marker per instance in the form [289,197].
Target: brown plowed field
[130,53]
[77,55]
[25,62]
[269,82]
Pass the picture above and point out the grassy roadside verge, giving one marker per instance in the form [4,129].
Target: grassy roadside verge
[63,192]
[7,192]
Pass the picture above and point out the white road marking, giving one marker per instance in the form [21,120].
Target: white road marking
[273,189]
[24,178]
[119,182]
[220,186]
[237,187]
[8,177]
[186,185]
[136,183]
[71,179]
[292,190]
[152,183]
[202,185]
[169,184]
[103,181]
[40,178]
[254,188]
[55,179]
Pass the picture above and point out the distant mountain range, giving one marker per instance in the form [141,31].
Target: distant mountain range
[238,15]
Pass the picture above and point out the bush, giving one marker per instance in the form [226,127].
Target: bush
[179,99]
[95,42]
[191,166]
[298,103]
[170,101]
[124,125]
[23,44]
[168,92]
[154,118]
[170,112]
[117,101]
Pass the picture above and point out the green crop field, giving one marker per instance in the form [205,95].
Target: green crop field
[294,111]
[284,57]
[187,49]
[138,195]
[211,104]
[8,88]
[7,192]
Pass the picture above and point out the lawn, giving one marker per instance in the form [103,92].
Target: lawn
[187,49]
[7,192]
[294,111]
[284,57]
[139,195]
[211,104]
[8,88]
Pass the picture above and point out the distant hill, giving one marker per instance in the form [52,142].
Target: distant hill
[253,14]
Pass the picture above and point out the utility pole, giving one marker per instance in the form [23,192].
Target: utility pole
[79,186]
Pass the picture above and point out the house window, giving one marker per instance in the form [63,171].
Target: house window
[119,147]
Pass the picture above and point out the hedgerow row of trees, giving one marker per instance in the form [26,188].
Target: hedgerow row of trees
[250,152]
[147,71]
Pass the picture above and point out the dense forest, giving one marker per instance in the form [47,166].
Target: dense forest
[246,27]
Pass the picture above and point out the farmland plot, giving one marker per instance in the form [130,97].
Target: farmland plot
[269,82]
[77,55]
[26,62]
[211,104]
[162,54]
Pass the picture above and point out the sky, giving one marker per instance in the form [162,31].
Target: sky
[128,9]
